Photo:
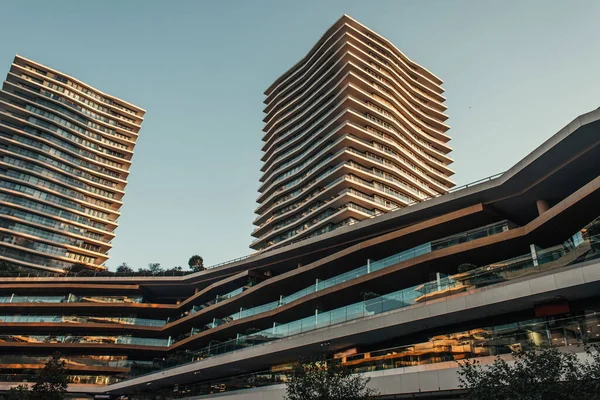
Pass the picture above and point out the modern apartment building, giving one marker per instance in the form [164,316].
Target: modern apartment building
[65,153]
[531,236]
[354,130]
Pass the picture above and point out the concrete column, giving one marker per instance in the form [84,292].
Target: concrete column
[542,206]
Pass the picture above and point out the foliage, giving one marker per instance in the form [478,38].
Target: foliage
[196,263]
[369,295]
[50,383]
[124,269]
[12,270]
[251,331]
[20,392]
[536,374]
[319,379]
[75,268]
[466,267]
[155,268]
[9,269]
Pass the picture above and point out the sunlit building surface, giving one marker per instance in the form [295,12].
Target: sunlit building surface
[354,130]
[507,263]
[65,154]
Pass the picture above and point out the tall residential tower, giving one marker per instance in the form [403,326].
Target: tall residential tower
[354,130]
[65,153]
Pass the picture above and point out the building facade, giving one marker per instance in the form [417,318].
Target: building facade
[510,262]
[65,154]
[354,130]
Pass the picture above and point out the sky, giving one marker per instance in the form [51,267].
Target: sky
[515,72]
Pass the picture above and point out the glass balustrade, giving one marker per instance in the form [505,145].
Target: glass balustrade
[32,299]
[80,319]
[70,299]
[518,267]
[448,347]
[74,339]
[487,230]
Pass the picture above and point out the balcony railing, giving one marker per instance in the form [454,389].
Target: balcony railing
[503,271]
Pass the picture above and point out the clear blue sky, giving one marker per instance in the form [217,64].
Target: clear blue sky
[515,72]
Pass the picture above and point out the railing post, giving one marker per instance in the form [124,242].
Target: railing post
[11,297]
[316,317]
[317,285]
[534,255]
[280,299]
[368,266]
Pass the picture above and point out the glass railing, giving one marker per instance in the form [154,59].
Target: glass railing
[70,299]
[230,294]
[104,299]
[17,254]
[453,240]
[72,379]
[32,299]
[455,346]
[305,188]
[72,339]
[515,268]
[73,361]
[80,319]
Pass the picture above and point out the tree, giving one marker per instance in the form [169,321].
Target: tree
[196,263]
[51,381]
[537,374]
[369,295]
[20,392]
[124,269]
[75,268]
[320,379]
[155,268]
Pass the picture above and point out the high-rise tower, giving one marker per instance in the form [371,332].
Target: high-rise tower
[353,130]
[65,153]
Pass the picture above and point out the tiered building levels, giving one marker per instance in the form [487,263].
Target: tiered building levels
[65,154]
[354,130]
[511,262]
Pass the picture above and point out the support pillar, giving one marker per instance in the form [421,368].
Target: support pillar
[542,206]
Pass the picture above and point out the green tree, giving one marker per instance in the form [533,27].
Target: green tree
[155,268]
[124,269]
[319,379]
[536,374]
[75,268]
[51,381]
[196,263]
[20,392]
